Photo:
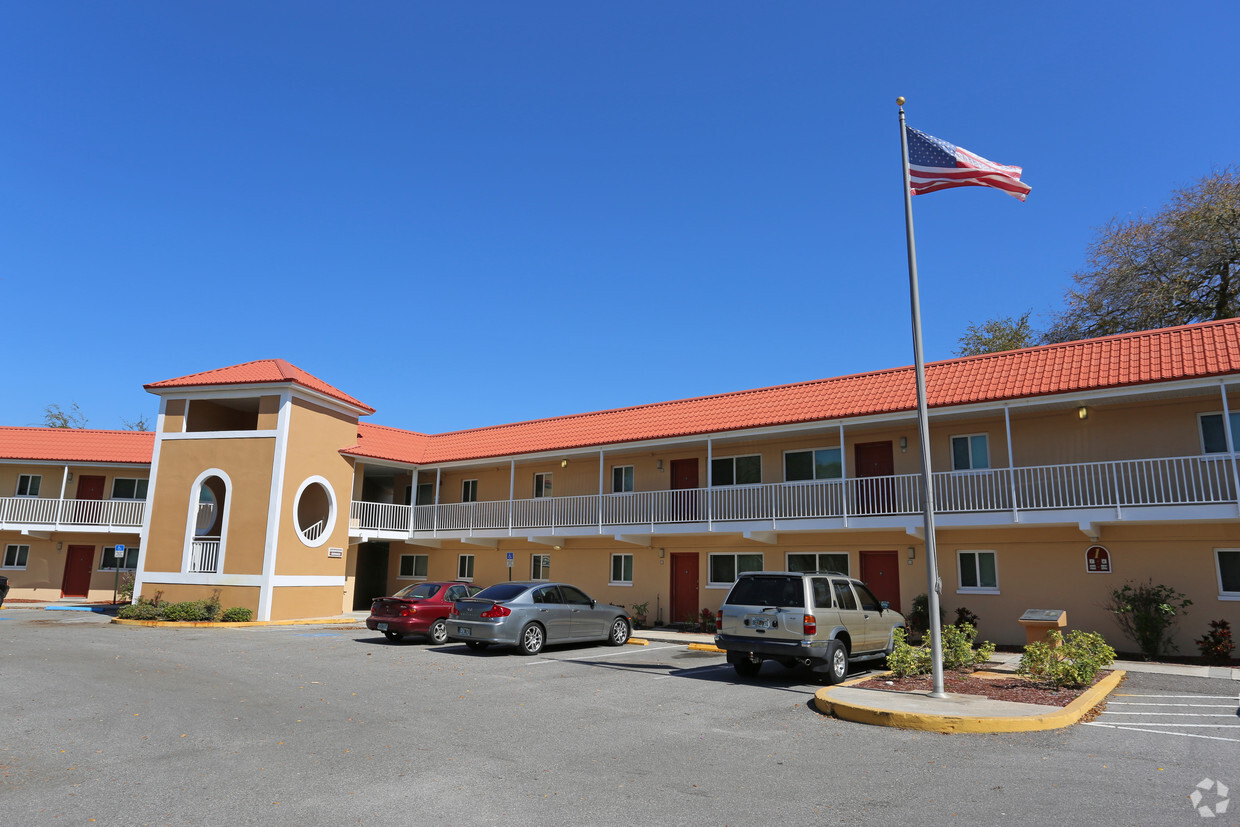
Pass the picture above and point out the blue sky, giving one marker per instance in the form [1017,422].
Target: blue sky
[466,214]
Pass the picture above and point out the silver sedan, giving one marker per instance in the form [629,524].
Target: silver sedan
[529,615]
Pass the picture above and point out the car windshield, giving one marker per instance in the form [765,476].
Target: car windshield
[418,590]
[501,592]
[774,590]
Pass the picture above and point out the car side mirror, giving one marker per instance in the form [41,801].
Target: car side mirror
[593,603]
[885,605]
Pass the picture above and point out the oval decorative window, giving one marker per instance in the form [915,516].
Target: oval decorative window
[314,511]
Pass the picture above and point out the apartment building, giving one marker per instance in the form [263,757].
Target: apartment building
[1060,473]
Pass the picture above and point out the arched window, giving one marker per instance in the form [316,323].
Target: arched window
[207,522]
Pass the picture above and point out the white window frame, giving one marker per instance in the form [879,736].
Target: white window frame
[973,466]
[540,566]
[627,477]
[426,564]
[465,567]
[542,485]
[37,479]
[716,484]
[135,481]
[818,560]
[979,589]
[813,462]
[109,555]
[736,566]
[611,572]
[17,552]
[1218,571]
[469,491]
[1201,431]
[329,523]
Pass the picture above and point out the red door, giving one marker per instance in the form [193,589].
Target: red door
[684,506]
[684,588]
[77,571]
[880,570]
[873,459]
[88,513]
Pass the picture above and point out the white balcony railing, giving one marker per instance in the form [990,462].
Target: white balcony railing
[45,511]
[1145,482]
[204,555]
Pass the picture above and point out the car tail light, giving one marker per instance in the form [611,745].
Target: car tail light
[408,611]
[719,621]
[455,611]
[496,611]
[811,625]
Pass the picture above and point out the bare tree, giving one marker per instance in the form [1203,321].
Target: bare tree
[56,417]
[139,424]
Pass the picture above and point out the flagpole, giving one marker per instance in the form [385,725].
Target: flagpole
[934,584]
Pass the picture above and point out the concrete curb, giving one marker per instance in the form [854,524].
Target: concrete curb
[638,641]
[202,624]
[929,722]
[705,647]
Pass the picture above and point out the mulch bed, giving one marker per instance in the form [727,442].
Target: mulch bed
[1015,688]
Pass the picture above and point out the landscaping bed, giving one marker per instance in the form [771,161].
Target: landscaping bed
[999,688]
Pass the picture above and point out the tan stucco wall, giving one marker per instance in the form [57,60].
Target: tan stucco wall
[174,416]
[289,603]
[53,476]
[248,463]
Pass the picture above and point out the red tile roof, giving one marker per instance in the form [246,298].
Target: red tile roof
[1188,352]
[76,445]
[261,372]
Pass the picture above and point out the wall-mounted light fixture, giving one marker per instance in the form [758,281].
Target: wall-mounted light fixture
[555,548]
[70,477]
[903,445]
[59,546]
[658,463]
[563,463]
[912,555]
[662,553]
[1082,412]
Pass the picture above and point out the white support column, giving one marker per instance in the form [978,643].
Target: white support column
[266,590]
[60,506]
[600,490]
[710,485]
[435,519]
[413,501]
[1007,424]
[150,498]
[843,477]
[512,490]
[1231,443]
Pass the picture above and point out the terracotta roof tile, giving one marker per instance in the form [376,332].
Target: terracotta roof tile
[261,372]
[76,445]
[1188,352]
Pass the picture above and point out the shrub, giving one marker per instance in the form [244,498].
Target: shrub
[142,610]
[906,659]
[187,612]
[1147,613]
[1076,661]
[237,614]
[124,591]
[963,615]
[1216,645]
[958,652]
[918,616]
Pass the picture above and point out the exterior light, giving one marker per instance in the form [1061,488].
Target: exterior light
[1082,412]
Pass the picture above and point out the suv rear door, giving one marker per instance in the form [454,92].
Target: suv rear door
[851,615]
[770,606]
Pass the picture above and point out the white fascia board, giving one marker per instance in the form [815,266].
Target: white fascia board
[73,463]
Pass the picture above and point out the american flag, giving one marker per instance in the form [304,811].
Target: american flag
[934,164]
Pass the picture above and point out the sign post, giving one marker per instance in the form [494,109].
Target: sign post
[509,557]
[118,555]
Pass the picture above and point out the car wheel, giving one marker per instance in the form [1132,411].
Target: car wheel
[477,645]
[745,664]
[837,662]
[439,631]
[393,636]
[619,633]
[532,639]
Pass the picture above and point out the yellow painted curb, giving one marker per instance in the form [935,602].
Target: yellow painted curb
[705,647]
[639,641]
[191,624]
[1059,719]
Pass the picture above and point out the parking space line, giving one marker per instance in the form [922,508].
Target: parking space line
[642,651]
[1177,714]
[1195,697]
[1161,732]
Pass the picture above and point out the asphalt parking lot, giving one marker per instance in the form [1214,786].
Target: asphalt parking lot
[315,725]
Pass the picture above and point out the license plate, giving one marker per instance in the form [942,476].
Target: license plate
[382,627]
[762,622]
[462,631]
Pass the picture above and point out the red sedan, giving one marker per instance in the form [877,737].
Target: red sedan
[419,609]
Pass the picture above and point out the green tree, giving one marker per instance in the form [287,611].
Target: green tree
[1006,333]
[56,417]
[1178,266]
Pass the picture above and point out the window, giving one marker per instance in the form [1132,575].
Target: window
[621,570]
[970,452]
[978,572]
[109,562]
[844,598]
[1228,561]
[28,485]
[621,479]
[465,567]
[724,568]
[1213,437]
[413,566]
[540,567]
[15,557]
[823,561]
[818,464]
[542,485]
[469,491]
[426,493]
[736,470]
[127,489]
[314,511]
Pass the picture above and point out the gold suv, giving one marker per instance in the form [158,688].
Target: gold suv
[821,620]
